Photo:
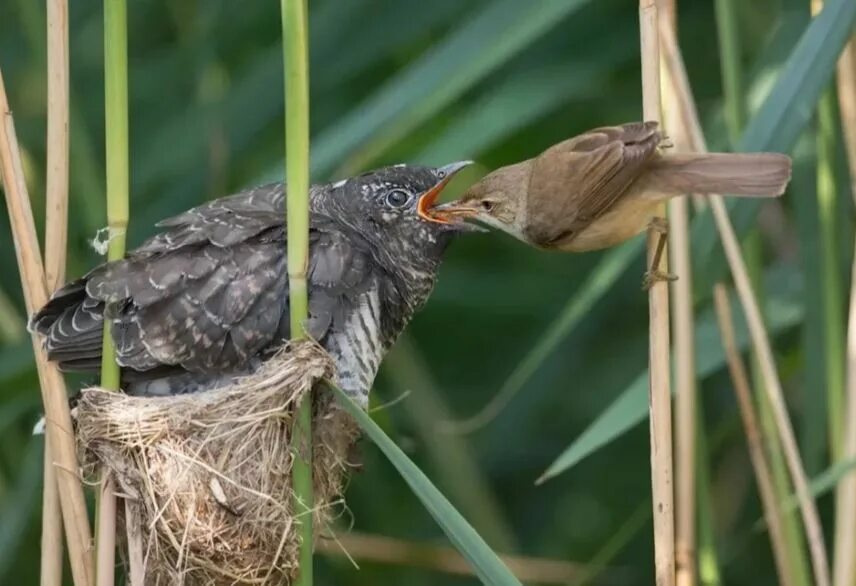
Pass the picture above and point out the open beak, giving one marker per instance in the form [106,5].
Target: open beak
[425,206]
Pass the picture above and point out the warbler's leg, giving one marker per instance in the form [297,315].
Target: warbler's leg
[660,227]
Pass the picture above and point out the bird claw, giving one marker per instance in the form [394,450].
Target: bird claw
[656,276]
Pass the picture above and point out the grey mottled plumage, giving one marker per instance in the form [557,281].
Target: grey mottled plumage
[206,299]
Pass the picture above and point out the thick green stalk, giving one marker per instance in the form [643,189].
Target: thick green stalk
[736,116]
[294,35]
[833,305]
[116,148]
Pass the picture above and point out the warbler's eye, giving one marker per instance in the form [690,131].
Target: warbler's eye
[488,205]
[397,198]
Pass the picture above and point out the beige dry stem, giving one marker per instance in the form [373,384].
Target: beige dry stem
[209,473]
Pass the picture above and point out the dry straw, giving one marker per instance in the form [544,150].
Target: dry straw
[761,345]
[60,434]
[689,136]
[658,307]
[683,332]
[208,475]
[56,231]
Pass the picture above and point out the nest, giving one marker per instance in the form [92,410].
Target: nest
[207,476]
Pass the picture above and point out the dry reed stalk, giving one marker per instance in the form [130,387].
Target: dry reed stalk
[754,436]
[844,571]
[58,419]
[683,331]
[758,334]
[660,399]
[105,559]
[388,550]
[134,534]
[56,230]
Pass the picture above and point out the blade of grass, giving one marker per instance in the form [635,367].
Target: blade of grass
[295,47]
[779,122]
[791,562]
[27,251]
[56,237]
[761,346]
[630,406]
[845,497]
[773,388]
[659,371]
[486,564]
[470,52]
[599,281]
[388,550]
[116,149]
[452,456]
[831,286]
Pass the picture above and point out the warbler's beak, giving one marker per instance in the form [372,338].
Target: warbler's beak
[425,206]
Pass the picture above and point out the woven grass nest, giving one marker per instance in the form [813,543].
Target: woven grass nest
[207,476]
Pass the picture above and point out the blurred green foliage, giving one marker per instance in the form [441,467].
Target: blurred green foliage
[431,82]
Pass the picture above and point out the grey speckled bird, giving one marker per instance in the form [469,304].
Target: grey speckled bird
[206,299]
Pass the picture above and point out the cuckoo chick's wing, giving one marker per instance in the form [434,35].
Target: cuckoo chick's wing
[207,294]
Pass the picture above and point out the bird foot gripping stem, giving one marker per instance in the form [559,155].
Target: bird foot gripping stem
[660,227]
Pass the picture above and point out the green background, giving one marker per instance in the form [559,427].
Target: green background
[432,82]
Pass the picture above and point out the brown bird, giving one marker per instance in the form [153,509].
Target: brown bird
[604,186]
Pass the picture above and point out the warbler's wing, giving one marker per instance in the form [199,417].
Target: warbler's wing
[576,181]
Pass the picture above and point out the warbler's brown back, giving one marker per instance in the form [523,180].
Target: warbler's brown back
[577,181]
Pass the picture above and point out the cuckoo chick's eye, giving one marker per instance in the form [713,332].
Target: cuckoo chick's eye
[397,198]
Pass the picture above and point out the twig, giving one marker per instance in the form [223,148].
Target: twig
[658,307]
[754,439]
[683,330]
[845,497]
[56,220]
[61,436]
[381,549]
[761,346]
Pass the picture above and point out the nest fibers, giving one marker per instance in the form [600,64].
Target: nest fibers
[207,476]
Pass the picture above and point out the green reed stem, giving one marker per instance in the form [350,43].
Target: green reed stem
[294,34]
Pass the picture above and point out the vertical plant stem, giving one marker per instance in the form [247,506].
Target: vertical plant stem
[116,147]
[294,35]
[683,330]
[736,114]
[56,235]
[57,416]
[845,495]
[760,342]
[754,438]
[658,307]
[833,318]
